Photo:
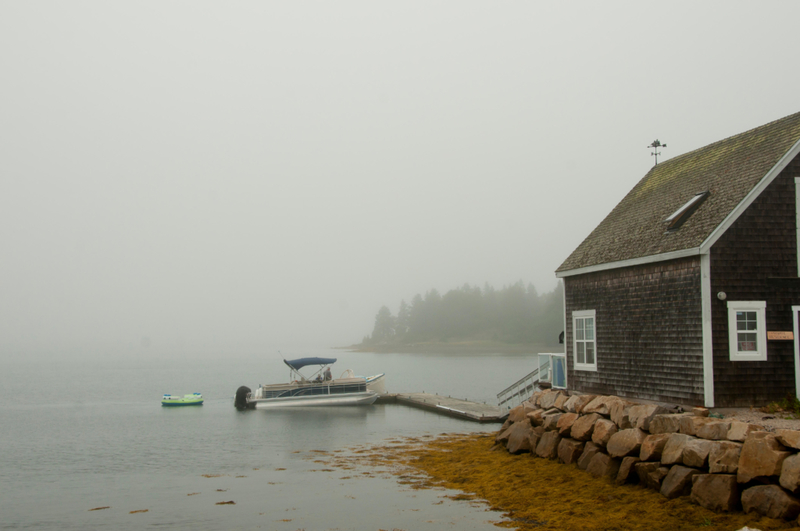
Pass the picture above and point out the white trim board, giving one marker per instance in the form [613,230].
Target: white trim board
[762,185]
[632,262]
[795,311]
[708,342]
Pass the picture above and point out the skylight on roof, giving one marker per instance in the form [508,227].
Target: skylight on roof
[680,216]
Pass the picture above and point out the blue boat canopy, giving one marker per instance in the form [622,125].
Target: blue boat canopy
[302,362]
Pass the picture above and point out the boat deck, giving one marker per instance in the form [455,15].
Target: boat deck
[446,405]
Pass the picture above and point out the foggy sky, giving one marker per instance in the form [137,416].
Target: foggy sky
[213,177]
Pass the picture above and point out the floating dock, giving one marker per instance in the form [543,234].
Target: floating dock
[445,405]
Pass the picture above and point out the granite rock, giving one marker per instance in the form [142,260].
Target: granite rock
[762,456]
[716,492]
[770,501]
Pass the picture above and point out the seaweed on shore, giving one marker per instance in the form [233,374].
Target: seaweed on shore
[541,494]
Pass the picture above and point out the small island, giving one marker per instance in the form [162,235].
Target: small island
[513,319]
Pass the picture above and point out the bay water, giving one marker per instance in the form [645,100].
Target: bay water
[81,433]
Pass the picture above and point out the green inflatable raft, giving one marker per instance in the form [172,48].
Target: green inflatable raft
[194,399]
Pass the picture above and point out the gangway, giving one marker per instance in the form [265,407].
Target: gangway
[542,376]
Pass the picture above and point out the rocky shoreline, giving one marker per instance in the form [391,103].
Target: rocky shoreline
[723,464]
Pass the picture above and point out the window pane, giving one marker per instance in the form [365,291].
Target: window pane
[590,329]
[579,329]
[590,353]
[580,349]
[747,342]
[559,372]
[746,321]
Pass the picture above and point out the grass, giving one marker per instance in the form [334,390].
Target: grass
[789,406]
[540,494]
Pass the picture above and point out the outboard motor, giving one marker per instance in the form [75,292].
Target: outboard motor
[241,398]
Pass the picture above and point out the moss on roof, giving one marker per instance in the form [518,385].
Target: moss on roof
[729,169]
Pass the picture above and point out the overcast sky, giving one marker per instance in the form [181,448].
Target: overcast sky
[208,177]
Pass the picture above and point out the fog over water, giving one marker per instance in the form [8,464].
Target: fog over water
[196,178]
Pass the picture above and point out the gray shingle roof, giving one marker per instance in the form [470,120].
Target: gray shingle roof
[729,169]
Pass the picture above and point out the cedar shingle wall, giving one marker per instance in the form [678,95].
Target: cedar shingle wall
[649,331]
[761,244]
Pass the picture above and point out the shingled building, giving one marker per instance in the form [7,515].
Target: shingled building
[688,291]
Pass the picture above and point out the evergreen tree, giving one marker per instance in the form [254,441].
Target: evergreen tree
[403,321]
[384,326]
[514,314]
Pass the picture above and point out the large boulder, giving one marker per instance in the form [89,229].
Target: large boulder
[695,452]
[716,430]
[627,470]
[690,423]
[619,412]
[576,403]
[724,457]
[536,417]
[762,456]
[651,474]
[672,454]
[534,399]
[536,435]
[678,482]
[665,423]
[641,415]
[652,446]
[560,401]
[625,442]
[519,437]
[584,426]
[589,452]
[548,445]
[603,465]
[789,438]
[503,434]
[565,422]
[740,430]
[771,501]
[600,405]
[548,398]
[569,450]
[790,474]
[716,492]
[517,414]
[603,430]
[551,421]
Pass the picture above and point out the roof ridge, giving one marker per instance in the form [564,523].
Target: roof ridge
[729,169]
[716,143]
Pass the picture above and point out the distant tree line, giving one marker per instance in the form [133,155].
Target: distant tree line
[514,314]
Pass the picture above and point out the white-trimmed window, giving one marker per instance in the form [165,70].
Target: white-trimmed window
[747,330]
[584,343]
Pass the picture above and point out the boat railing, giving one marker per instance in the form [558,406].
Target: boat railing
[519,391]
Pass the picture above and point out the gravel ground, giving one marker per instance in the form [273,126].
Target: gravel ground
[770,421]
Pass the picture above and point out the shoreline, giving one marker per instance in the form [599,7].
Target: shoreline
[455,347]
[540,494]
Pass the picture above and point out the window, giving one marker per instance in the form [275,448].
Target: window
[747,330]
[680,216]
[584,343]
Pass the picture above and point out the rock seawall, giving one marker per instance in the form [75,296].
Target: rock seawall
[723,465]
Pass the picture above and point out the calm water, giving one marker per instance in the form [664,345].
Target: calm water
[83,434]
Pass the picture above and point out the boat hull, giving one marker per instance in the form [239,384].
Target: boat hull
[377,383]
[176,403]
[345,399]
[193,399]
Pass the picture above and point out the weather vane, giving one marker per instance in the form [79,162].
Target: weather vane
[655,145]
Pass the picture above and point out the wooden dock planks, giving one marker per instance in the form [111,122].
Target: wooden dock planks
[448,406]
